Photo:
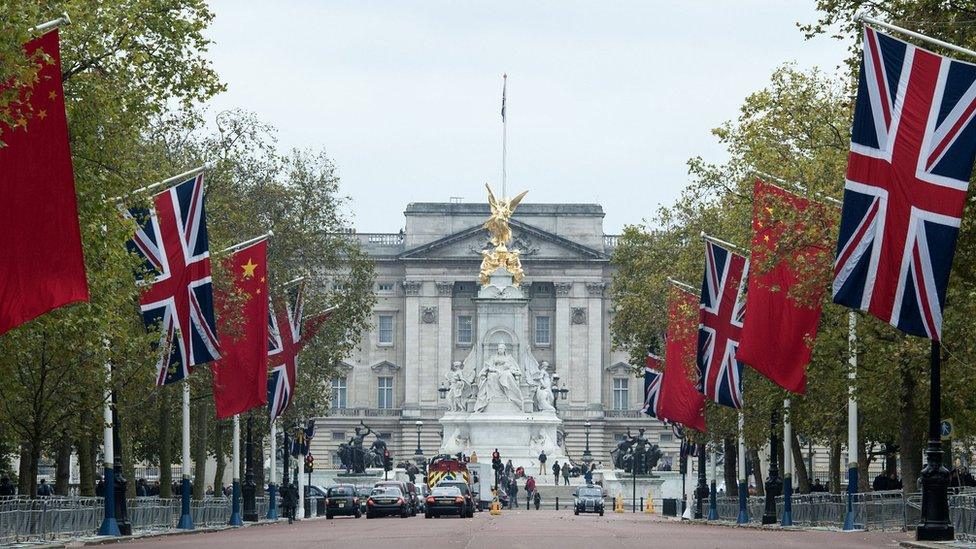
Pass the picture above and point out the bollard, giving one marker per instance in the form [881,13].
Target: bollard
[528,500]
[496,508]
[557,503]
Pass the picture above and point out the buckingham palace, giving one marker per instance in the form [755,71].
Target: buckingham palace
[424,320]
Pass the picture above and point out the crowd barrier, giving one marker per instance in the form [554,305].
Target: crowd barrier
[872,510]
[24,520]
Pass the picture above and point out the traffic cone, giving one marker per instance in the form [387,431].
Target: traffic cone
[618,504]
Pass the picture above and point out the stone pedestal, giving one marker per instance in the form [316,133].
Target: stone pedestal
[519,437]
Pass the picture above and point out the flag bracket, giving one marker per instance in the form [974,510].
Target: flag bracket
[872,21]
[246,243]
[64,20]
[724,243]
[686,287]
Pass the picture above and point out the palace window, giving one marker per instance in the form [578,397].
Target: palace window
[542,330]
[384,392]
[621,393]
[464,330]
[338,435]
[385,287]
[385,330]
[338,393]
[666,437]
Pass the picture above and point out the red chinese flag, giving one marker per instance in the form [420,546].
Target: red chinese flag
[779,329]
[240,377]
[42,266]
[680,400]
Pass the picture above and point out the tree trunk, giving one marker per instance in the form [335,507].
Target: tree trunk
[218,482]
[23,472]
[863,465]
[258,465]
[86,462]
[802,475]
[200,450]
[757,472]
[835,466]
[62,475]
[165,445]
[910,452]
[35,459]
[731,480]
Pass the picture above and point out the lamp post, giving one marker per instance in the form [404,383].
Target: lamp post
[587,457]
[443,391]
[250,509]
[935,524]
[418,451]
[557,391]
[701,492]
[121,510]
[773,484]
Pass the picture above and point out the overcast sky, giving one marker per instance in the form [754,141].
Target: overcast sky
[607,99]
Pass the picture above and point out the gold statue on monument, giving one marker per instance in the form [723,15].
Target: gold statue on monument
[501,234]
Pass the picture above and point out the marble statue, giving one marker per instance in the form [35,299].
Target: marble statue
[540,443]
[543,399]
[498,381]
[457,388]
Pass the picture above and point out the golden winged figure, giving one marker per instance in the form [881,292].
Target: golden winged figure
[501,212]
[501,234]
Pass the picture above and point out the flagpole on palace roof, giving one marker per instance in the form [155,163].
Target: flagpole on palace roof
[913,34]
[504,134]
[725,244]
[53,24]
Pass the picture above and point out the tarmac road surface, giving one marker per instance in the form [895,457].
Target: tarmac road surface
[515,530]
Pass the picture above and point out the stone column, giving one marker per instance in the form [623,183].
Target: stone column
[594,353]
[445,343]
[411,343]
[560,327]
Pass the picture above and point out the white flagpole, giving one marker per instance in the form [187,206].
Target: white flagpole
[235,516]
[110,525]
[852,444]
[743,477]
[54,23]
[913,34]
[300,510]
[504,133]
[787,519]
[186,520]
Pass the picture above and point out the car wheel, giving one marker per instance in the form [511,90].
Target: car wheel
[601,512]
[369,516]
[427,515]
[576,511]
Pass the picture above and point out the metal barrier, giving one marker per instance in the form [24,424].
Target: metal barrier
[872,510]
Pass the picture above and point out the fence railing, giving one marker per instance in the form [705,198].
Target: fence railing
[872,510]
[24,519]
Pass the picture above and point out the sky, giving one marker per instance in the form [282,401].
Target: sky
[607,99]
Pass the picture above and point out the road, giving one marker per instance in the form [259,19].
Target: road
[517,529]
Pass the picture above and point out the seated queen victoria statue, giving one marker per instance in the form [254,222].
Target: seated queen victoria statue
[499,381]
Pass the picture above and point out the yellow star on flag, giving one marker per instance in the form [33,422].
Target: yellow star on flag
[41,114]
[249,268]
[52,95]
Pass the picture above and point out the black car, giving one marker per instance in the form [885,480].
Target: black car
[589,499]
[445,500]
[387,501]
[465,490]
[409,491]
[342,500]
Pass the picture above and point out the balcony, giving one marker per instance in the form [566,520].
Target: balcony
[365,412]
[628,414]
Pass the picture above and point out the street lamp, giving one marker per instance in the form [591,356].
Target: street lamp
[443,390]
[587,457]
[558,391]
[418,451]
[773,484]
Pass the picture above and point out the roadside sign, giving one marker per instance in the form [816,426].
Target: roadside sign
[946,429]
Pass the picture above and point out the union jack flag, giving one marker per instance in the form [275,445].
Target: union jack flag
[178,297]
[284,342]
[652,384]
[912,147]
[722,310]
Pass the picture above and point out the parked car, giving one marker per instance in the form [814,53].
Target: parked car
[465,491]
[386,501]
[445,500]
[342,500]
[409,491]
[588,499]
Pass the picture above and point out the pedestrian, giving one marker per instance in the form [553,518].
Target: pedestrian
[44,489]
[289,500]
[529,488]
[565,474]
[7,487]
[100,488]
[537,499]
[141,490]
[513,494]
[588,476]
[542,462]
[555,472]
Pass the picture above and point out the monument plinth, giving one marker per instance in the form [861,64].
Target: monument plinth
[500,396]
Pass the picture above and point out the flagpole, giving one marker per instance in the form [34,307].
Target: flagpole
[743,517]
[681,285]
[186,520]
[272,487]
[300,509]
[852,443]
[235,515]
[52,24]
[742,251]
[798,187]
[293,281]
[504,134]
[787,519]
[712,492]
[175,179]
[913,34]
[246,243]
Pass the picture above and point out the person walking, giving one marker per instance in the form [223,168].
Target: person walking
[555,472]
[44,489]
[529,489]
[513,494]
[542,462]
[565,474]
